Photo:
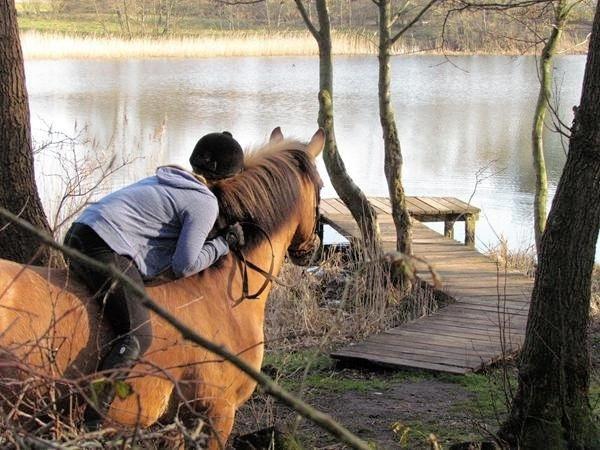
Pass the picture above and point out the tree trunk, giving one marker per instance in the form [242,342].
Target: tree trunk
[279,12]
[551,408]
[267,13]
[126,20]
[356,201]
[18,192]
[393,153]
[544,97]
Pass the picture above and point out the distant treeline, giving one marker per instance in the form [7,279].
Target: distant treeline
[450,24]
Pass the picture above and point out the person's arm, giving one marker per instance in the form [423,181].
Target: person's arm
[194,253]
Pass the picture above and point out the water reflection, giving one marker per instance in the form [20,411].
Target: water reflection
[454,118]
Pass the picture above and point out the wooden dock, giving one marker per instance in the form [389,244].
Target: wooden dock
[487,319]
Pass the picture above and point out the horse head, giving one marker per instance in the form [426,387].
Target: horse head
[306,240]
[278,188]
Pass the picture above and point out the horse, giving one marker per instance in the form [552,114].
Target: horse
[52,327]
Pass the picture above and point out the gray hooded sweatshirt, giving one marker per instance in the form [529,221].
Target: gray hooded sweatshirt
[160,222]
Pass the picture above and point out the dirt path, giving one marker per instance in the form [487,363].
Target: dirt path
[372,415]
[389,409]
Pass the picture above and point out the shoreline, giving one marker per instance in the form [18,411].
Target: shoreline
[39,46]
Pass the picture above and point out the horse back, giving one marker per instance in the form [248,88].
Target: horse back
[48,321]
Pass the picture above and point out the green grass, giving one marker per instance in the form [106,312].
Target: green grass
[595,396]
[108,24]
[290,368]
[487,406]
[415,435]
[323,375]
[290,363]
[489,396]
[338,383]
[84,25]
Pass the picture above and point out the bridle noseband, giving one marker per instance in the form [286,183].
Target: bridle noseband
[299,254]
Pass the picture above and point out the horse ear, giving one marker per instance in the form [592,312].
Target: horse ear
[315,146]
[276,135]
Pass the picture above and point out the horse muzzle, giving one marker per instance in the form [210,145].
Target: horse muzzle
[303,254]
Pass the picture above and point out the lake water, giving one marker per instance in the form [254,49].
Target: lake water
[464,125]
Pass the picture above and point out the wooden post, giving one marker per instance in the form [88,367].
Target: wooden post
[470,221]
[449,228]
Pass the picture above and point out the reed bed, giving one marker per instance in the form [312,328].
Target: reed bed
[243,43]
[347,297]
[524,260]
[211,44]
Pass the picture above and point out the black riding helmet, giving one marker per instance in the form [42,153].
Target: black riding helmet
[217,155]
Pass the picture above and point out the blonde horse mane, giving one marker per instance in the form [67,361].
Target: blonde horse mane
[267,191]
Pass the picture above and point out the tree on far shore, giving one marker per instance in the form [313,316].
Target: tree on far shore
[18,191]
[551,408]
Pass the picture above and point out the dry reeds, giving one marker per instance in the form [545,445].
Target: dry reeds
[525,261]
[234,43]
[522,260]
[211,44]
[347,296]
[38,411]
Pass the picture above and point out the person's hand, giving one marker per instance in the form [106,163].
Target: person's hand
[163,277]
[234,235]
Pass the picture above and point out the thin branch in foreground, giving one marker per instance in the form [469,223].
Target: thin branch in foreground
[268,385]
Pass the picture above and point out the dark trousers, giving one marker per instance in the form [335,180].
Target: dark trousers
[122,306]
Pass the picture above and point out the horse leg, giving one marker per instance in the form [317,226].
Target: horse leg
[221,414]
[147,402]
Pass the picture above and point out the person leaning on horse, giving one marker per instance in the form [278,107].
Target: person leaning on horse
[52,330]
[158,225]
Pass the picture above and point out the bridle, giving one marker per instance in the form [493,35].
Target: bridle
[295,254]
[244,264]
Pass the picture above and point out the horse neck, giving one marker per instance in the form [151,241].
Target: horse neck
[263,255]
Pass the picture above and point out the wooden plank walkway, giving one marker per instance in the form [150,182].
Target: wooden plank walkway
[487,319]
[425,209]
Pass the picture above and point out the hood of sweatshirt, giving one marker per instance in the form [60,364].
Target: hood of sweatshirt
[179,178]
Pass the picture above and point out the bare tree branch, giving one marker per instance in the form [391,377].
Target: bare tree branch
[238,2]
[426,8]
[502,6]
[400,12]
[309,24]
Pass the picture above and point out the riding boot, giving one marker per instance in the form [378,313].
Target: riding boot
[122,355]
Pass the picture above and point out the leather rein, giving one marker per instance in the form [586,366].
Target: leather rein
[244,264]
